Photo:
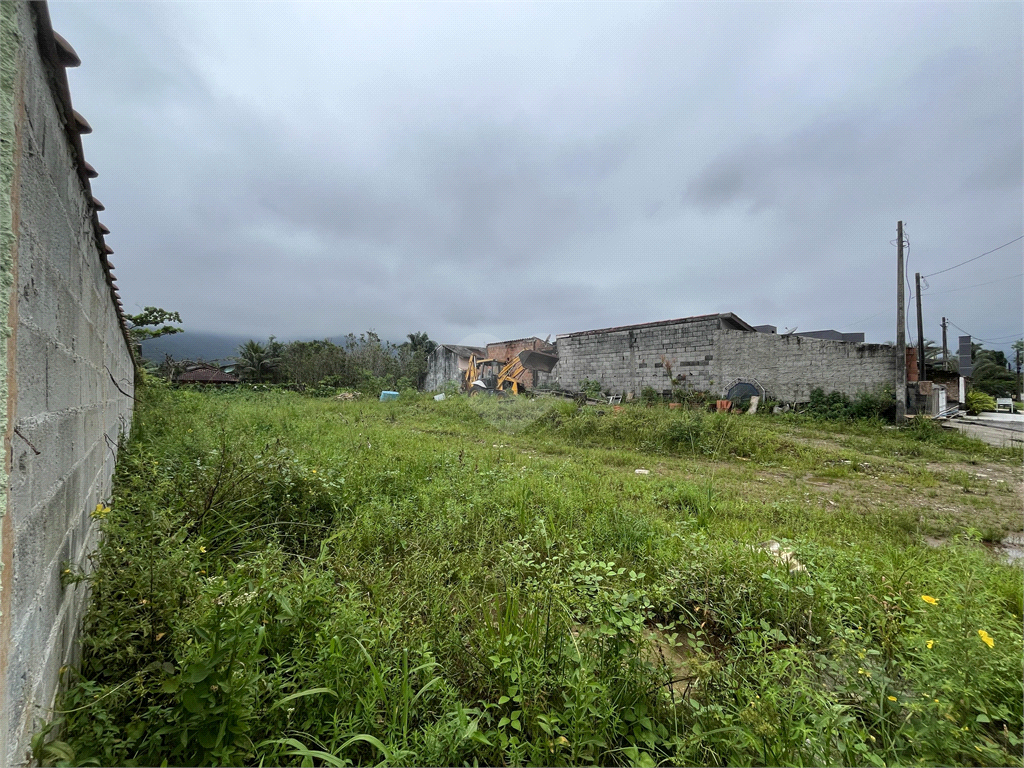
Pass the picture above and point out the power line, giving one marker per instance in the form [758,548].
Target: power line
[977,285]
[858,322]
[987,341]
[986,253]
[1008,336]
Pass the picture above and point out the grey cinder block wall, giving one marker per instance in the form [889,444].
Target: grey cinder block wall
[629,358]
[711,352]
[789,367]
[443,365]
[64,347]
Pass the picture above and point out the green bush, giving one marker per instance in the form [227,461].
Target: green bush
[649,396]
[865,405]
[978,401]
[834,405]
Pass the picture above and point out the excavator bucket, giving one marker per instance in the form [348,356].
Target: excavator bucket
[537,361]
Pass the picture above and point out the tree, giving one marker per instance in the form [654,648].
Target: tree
[255,361]
[141,326]
[413,356]
[990,374]
[420,342]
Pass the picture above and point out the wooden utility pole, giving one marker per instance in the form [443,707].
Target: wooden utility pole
[920,329]
[945,352]
[901,332]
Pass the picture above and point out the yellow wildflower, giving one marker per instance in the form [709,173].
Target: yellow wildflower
[986,638]
[929,644]
[891,698]
[929,599]
[202,549]
[314,471]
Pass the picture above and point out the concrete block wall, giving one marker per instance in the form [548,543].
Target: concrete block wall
[65,348]
[506,350]
[442,368]
[789,367]
[630,358]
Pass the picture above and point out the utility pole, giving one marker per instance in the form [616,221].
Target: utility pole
[945,354]
[920,329]
[1019,354]
[901,333]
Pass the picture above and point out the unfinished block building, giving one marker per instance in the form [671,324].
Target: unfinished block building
[710,353]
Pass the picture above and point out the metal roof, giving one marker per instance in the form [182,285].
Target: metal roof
[727,316]
[207,375]
[463,351]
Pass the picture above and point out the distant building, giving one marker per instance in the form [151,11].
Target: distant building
[715,353]
[832,335]
[205,374]
[448,364]
[827,334]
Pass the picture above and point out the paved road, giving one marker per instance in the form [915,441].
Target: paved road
[999,429]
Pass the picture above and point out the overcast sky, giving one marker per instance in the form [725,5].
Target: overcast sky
[482,171]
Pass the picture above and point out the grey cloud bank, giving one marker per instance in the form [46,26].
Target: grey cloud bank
[499,170]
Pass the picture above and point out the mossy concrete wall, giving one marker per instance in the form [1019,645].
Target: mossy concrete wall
[790,366]
[64,349]
[705,353]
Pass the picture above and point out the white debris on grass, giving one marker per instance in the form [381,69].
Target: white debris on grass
[783,556]
[642,471]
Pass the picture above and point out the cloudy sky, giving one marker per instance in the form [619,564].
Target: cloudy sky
[493,170]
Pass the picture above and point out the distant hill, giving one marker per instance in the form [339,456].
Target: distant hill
[193,345]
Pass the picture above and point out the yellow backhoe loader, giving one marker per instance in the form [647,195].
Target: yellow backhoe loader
[510,375]
[507,376]
[473,372]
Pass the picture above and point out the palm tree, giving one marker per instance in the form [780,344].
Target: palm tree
[254,360]
[420,341]
[991,373]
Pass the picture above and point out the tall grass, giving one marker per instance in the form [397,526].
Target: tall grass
[285,580]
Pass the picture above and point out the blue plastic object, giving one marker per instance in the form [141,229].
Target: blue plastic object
[388,395]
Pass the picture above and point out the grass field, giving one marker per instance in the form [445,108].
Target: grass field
[290,580]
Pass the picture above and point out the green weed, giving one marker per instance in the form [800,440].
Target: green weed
[289,580]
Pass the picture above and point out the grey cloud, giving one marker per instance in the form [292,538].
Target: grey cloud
[314,169]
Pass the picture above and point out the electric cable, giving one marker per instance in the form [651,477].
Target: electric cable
[977,285]
[987,341]
[858,322]
[986,253]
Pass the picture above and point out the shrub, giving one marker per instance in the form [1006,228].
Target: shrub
[834,405]
[649,396]
[979,401]
[697,399]
[865,405]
